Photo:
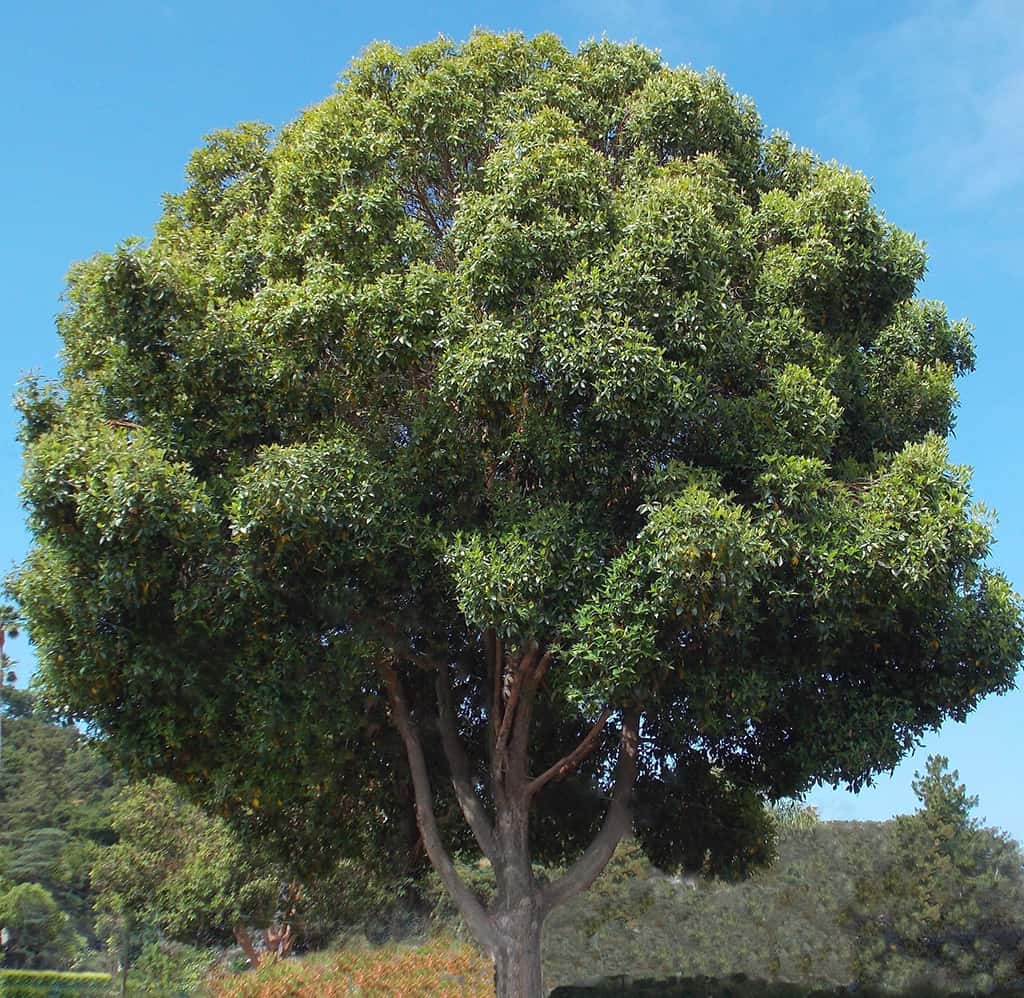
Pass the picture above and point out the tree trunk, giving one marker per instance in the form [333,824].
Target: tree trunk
[244,940]
[517,912]
[517,963]
[278,939]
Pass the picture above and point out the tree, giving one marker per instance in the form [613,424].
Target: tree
[185,873]
[55,795]
[539,399]
[8,629]
[948,910]
[38,933]
[189,877]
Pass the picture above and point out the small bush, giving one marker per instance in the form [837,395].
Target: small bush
[166,970]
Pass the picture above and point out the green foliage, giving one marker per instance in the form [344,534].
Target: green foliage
[948,910]
[167,970]
[355,899]
[501,340]
[55,794]
[39,933]
[52,984]
[793,818]
[623,889]
[176,868]
[178,878]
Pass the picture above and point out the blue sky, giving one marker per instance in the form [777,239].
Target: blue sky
[103,102]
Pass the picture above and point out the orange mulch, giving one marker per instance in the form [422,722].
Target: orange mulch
[441,968]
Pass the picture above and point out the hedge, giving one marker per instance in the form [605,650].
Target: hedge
[741,986]
[53,984]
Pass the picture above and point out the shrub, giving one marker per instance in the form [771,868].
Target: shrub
[165,969]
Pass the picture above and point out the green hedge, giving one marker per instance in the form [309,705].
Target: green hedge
[740,986]
[52,984]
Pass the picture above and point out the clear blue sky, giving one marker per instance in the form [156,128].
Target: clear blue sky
[103,102]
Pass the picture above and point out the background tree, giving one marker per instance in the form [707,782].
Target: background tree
[8,629]
[186,874]
[538,400]
[55,794]
[39,934]
[948,910]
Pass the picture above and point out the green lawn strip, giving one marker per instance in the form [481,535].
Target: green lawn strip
[52,984]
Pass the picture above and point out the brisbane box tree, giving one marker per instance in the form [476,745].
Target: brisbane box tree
[537,404]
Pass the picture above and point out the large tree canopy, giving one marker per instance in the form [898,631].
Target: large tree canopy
[538,401]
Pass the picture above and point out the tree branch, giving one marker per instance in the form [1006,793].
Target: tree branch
[458,764]
[422,199]
[491,646]
[524,715]
[242,937]
[467,902]
[616,823]
[508,712]
[569,762]
[278,939]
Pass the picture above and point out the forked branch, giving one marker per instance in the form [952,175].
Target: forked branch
[569,762]
[472,808]
[467,902]
[617,821]
[520,739]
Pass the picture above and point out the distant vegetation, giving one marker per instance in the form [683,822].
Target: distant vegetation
[96,872]
[55,796]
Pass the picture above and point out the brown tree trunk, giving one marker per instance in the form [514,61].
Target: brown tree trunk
[517,912]
[517,962]
[244,940]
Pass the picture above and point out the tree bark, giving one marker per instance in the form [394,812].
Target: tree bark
[244,940]
[516,912]
[517,962]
